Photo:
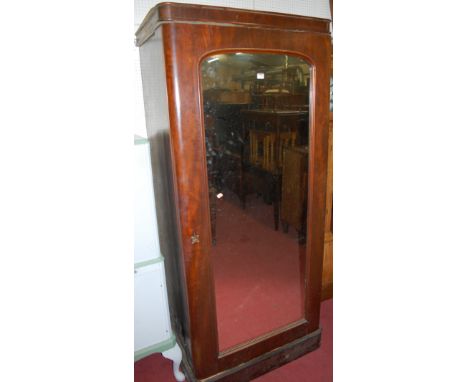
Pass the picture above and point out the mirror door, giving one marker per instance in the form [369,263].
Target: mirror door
[256,130]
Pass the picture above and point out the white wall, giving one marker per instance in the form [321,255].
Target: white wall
[312,8]
[146,243]
[139,127]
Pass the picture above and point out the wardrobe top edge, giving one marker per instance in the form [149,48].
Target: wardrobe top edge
[168,12]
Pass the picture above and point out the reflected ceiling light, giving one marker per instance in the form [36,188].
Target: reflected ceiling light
[213,59]
[260,76]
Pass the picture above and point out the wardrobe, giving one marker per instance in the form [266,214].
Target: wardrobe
[237,114]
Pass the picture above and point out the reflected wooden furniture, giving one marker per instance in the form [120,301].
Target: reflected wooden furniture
[282,101]
[294,189]
[174,112]
[327,275]
[268,131]
[279,127]
[224,123]
[224,144]
[266,148]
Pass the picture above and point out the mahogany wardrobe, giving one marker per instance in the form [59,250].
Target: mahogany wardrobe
[237,113]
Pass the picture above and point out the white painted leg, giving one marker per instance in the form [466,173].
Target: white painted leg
[175,355]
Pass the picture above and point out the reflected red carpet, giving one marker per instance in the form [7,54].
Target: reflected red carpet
[316,366]
[257,272]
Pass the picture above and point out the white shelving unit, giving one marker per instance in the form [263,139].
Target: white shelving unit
[152,327]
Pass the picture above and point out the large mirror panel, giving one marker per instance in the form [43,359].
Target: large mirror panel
[256,124]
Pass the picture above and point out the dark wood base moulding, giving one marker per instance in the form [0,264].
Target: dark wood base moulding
[262,364]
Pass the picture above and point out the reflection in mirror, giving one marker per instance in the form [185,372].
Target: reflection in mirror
[256,113]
